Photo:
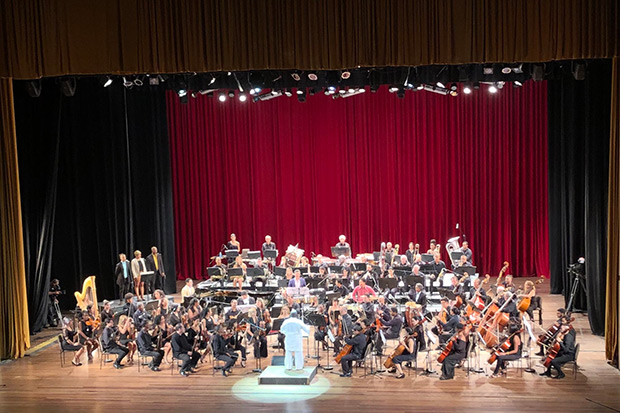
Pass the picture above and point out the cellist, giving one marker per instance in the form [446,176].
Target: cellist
[513,352]
[408,353]
[458,353]
[566,338]
[358,341]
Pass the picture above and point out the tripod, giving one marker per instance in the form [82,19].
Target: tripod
[578,280]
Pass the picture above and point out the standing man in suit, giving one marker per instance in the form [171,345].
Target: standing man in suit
[138,266]
[124,278]
[155,263]
[297,282]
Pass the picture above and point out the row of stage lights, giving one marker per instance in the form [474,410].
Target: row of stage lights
[257,94]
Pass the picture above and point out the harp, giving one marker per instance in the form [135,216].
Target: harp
[88,296]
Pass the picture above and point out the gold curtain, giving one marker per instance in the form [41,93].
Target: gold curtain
[56,37]
[613,221]
[14,334]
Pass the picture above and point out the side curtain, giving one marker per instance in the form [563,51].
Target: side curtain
[613,222]
[104,155]
[14,334]
[578,168]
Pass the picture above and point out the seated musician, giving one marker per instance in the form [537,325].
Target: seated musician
[368,307]
[268,245]
[560,319]
[432,247]
[140,317]
[246,299]
[383,311]
[417,260]
[292,304]
[358,341]
[233,244]
[189,290]
[477,290]
[182,348]
[458,353]
[87,335]
[111,345]
[393,328]
[321,332]
[388,253]
[529,291]
[130,305]
[222,352]
[163,331]
[416,271]
[404,262]
[298,281]
[163,306]
[513,352]
[408,354]
[233,314]
[449,327]
[456,286]
[391,291]
[177,315]
[126,335]
[411,253]
[106,312]
[566,338]
[342,243]
[211,322]
[462,262]
[71,342]
[418,295]
[508,305]
[508,283]
[369,274]
[340,288]
[219,264]
[147,348]
[466,251]
[361,290]
[238,280]
[437,264]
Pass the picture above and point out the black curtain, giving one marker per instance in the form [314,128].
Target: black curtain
[95,179]
[579,113]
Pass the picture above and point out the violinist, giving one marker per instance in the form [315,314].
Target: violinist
[256,330]
[221,351]
[458,353]
[260,308]
[87,335]
[147,347]
[358,341]
[566,338]
[194,309]
[393,325]
[127,335]
[164,333]
[234,343]
[140,317]
[321,332]
[211,321]
[513,353]
[340,288]
[111,345]
[181,349]
[408,353]
[177,315]
[383,311]
[418,330]
[70,341]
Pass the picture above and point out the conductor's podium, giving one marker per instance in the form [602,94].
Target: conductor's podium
[279,375]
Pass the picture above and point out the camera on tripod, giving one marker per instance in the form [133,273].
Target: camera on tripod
[578,268]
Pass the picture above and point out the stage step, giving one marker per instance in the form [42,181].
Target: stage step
[279,375]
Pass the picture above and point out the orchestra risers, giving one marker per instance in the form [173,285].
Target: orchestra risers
[279,375]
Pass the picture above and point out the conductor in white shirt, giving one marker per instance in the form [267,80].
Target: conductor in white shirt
[292,329]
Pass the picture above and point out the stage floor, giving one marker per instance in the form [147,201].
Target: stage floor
[37,383]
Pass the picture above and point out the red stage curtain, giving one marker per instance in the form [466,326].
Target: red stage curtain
[373,167]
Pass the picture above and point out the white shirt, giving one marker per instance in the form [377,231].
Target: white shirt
[187,291]
[292,329]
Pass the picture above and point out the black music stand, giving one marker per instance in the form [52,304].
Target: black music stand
[283,283]
[338,251]
[253,255]
[271,254]
[235,273]
[427,257]
[148,280]
[335,269]
[329,296]
[216,272]
[387,283]
[412,280]
[255,271]
[275,313]
[302,270]
[358,266]
[313,283]
[456,255]
[318,321]
[466,269]
[230,256]
[279,271]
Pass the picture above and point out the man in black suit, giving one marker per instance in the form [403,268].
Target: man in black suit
[147,348]
[358,341]
[394,324]
[124,278]
[108,340]
[222,352]
[155,263]
[181,349]
[418,295]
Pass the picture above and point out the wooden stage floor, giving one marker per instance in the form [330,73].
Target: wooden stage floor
[37,383]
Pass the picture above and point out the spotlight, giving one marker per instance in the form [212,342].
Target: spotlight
[393,89]
[231,93]
[296,77]
[222,97]
[453,87]
[255,91]
[467,90]
[194,94]
[350,90]
[137,81]
[453,93]
[154,81]
[331,89]
[506,70]
[517,83]
[300,91]
[345,75]
[127,83]
[492,89]
[34,88]
[288,92]
[108,82]
[182,92]
[420,86]
[312,76]
[242,97]
[301,95]
[68,86]
[441,85]
[487,70]
[500,84]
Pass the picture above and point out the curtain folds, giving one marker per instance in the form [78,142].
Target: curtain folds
[374,167]
[613,221]
[58,37]
[14,333]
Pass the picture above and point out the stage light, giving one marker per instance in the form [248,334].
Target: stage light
[435,89]
[392,89]
[127,83]
[331,89]
[194,94]
[500,84]
[108,82]
[441,85]
[231,93]
[242,97]
[420,86]
[487,70]
[255,91]
[345,75]
[182,92]
[137,81]
[517,83]
[492,89]
[300,91]
[453,87]
[350,90]
[506,70]
[467,89]
[222,97]
[312,76]
[154,81]
[453,93]
[301,95]
[295,76]
[68,86]
[34,88]
[288,92]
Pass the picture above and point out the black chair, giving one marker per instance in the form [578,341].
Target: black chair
[104,355]
[62,351]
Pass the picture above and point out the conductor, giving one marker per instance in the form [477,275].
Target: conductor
[292,329]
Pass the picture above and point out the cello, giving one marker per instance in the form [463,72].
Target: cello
[448,349]
[525,302]
[400,349]
[502,348]
[555,348]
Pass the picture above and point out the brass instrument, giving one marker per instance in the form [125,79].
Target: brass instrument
[88,296]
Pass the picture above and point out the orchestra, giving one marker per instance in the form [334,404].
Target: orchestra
[358,317]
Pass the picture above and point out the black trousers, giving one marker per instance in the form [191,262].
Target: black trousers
[281,340]
[260,347]
[120,351]
[156,355]
[559,361]
[347,362]
[501,361]
[188,362]
[229,359]
[447,368]
[158,282]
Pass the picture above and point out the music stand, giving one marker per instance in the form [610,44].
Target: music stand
[313,283]
[302,270]
[446,292]
[255,271]
[402,273]
[277,323]
[338,251]
[314,269]
[318,321]
[235,273]
[466,269]
[147,277]
[275,313]
[456,255]
[283,283]
[330,296]
[387,283]
[231,254]
[427,257]
[412,280]
[279,271]
[335,269]
[358,266]
[270,254]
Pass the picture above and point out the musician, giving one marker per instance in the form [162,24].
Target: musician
[155,263]
[147,347]
[232,314]
[368,307]
[342,243]
[449,327]
[321,332]
[418,330]
[340,288]
[433,247]
[260,308]
[292,305]
[138,266]
[408,353]
[462,262]
[163,306]
[71,342]
[383,310]
[110,344]
[188,291]
[566,338]
[140,317]
[53,293]
[411,253]
[561,319]
[456,286]
[508,283]
[390,291]
[417,260]
[416,271]
[510,306]
[233,244]
[211,322]
[477,289]
[361,290]
[124,278]
[358,343]
[458,353]
[106,312]
[388,253]
[245,299]
[257,331]
[177,315]
[87,335]
[130,307]
[297,282]
[437,264]
[418,295]
[394,325]
[513,352]
[222,352]
[181,349]
[529,291]
[404,262]
[127,334]
[268,245]
[466,251]
[238,280]
[292,329]
[220,265]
